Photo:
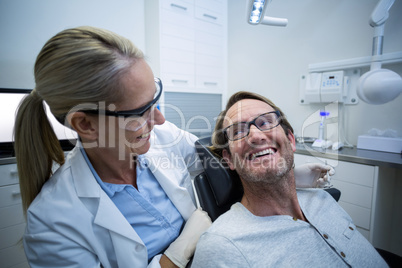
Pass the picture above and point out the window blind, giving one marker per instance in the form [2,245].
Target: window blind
[193,112]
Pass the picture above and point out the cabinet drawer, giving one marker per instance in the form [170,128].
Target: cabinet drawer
[176,20]
[360,215]
[206,38]
[208,15]
[177,80]
[353,193]
[180,68]
[171,54]
[178,31]
[211,50]
[355,173]
[8,174]
[303,159]
[209,82]
[213,29]
[344,171]
[179,7]
[13,257]
[213,5]
[11,235]
[211,71]
[11,215]
[168,41]
[207,60]
[10,195]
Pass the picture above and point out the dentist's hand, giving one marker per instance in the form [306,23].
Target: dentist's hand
[182,249]
[313,175]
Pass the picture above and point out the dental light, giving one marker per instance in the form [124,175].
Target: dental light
[255,14]
[379,86]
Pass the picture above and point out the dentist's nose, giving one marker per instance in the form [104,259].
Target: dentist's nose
[156,118]
[159,118]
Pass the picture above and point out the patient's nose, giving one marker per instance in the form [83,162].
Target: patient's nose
[256,136]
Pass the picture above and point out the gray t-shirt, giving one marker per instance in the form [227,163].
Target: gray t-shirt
[330,239]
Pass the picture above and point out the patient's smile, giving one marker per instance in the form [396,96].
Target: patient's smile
[269,151]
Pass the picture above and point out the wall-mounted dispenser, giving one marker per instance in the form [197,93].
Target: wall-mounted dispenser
[331,86]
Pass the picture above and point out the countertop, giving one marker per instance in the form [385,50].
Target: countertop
[354,155]
[360,156]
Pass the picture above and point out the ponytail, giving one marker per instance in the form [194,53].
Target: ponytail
[36,147]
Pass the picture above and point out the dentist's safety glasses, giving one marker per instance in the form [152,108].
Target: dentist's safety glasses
[135,119]
[135,122]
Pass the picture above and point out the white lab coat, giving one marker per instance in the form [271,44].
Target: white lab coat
[73,223]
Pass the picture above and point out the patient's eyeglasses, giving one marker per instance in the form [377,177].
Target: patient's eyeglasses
[135,119]
[263,122]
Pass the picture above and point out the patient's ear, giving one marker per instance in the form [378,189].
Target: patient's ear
[228,158]
[292,141]
[85,126]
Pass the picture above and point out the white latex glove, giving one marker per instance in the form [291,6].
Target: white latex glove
[182,249]
[313,175]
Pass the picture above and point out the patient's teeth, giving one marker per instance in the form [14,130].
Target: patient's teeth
[264,152]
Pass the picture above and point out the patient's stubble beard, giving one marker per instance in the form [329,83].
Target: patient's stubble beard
[267,172]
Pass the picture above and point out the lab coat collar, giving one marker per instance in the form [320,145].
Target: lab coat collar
[167,172]
[86,184]
[107,215]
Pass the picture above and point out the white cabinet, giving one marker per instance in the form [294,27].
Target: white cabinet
[210,44]
[177,44]
[369,195]
[186,44]
[12,222]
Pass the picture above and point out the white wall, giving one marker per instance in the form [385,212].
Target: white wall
[270,60]
[26,25]
[267,60]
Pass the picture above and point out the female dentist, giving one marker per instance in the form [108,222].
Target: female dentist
[123,196]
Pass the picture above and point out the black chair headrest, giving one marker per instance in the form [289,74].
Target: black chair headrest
[225,183]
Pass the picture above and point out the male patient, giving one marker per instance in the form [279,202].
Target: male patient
[275,225]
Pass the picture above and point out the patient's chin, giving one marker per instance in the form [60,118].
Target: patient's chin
[269,172]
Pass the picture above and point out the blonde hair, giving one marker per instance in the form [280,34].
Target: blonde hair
[76,66]
[219,139]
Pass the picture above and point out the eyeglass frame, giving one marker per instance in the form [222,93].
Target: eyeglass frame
[252,122]
[128,113]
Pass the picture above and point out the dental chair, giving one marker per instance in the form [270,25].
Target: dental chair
[218,187]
